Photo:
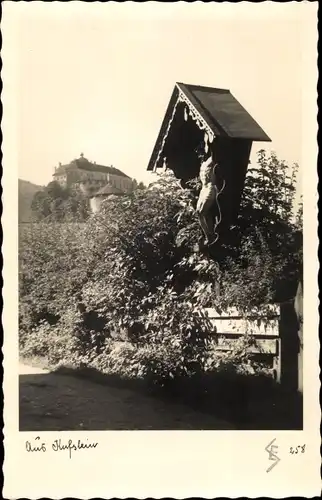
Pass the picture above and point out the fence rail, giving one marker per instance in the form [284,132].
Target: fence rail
[276,332]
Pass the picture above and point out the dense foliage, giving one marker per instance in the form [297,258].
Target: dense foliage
[125,291]
[57,203]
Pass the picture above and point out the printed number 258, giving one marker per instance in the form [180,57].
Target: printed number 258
[297,449]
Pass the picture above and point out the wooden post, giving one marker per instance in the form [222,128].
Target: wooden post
[298,306]
[277,361]
[290,357]
[300,368]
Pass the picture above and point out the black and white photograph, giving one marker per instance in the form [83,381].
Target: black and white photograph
[160,246]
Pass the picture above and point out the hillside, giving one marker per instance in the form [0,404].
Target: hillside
[26,193]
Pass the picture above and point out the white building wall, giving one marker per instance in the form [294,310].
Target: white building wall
[95,204]
[95,179]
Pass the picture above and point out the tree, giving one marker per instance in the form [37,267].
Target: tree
[56,191]
[267,220]
[57,203]
[40,205]
[299,216]
[138,185]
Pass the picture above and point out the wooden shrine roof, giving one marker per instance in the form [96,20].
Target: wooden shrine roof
[217,109]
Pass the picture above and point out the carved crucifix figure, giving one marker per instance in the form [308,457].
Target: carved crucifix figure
[208,197]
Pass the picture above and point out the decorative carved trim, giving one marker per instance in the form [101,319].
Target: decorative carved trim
[189,110]
[166,134]
[196,116]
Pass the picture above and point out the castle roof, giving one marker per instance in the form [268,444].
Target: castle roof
[108,190]
[84,164]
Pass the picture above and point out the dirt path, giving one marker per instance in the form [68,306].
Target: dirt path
[54,402]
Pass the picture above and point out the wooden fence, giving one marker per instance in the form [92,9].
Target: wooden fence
[276,334]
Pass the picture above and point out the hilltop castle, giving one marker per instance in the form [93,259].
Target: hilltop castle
[88,177]
[98,182]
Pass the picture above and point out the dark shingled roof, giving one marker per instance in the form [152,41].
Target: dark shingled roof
[84,164]
[220,111]
[224,111]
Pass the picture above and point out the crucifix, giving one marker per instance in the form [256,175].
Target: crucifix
[209,194]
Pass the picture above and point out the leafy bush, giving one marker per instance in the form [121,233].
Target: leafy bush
[55,203]
[131,274]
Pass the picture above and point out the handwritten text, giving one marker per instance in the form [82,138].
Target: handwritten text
[59,445]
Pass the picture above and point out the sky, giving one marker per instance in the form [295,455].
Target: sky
[96,78]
